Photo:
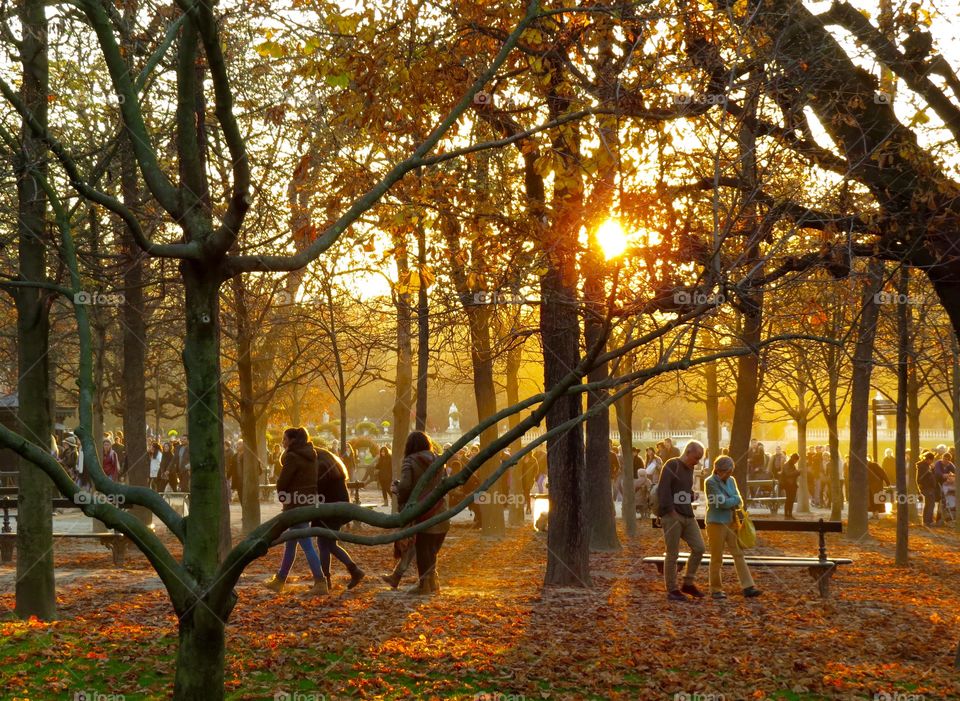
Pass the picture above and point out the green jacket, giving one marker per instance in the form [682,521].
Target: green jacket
[723,498]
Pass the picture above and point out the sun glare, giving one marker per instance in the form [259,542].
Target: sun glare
[612,239]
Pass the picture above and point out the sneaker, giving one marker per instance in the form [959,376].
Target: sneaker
[355,577]
[676,595]
[692,590]
[275,584]
[751,592]
[719,595]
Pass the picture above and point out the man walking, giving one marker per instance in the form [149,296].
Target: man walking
[675,508]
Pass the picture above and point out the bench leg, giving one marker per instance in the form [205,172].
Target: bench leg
[6,549]
[822,575]
[118,547]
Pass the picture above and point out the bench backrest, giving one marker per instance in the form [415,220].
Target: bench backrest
[820,526]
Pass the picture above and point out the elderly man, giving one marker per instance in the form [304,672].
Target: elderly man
[675,508]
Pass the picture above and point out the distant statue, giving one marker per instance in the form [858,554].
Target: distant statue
[454,419]
[326,417]
[724,434]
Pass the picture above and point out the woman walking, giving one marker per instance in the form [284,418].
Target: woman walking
[297,486]
[157,482]
[332,489]
[417,457]
[723,499]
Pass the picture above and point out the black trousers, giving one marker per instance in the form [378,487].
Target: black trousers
[791,495]
[427,546]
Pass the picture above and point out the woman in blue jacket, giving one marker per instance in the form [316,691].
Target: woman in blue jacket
[723,500]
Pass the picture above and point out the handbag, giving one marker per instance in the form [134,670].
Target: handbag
[747,532]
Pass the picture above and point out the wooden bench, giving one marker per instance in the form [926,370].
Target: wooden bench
[821,567]
[115,542]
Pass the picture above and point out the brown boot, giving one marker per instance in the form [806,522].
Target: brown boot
[393,579]
[356,574]
[434,582]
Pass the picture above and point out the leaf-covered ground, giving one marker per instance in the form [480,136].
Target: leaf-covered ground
[496,633]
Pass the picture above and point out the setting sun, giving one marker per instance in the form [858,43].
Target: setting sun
[612,239]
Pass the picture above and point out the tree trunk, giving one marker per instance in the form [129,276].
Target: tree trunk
[403,398]
[485,394]
[423,333]
[836,489]
[200,656]
[748,366]
[342,405]
[713,412]
[248,461]
[748,390]
[515,505]
[568,551]
[803,492]
[201,362]
[858,489]
[903,354]
[600,512]
[628,509]
[134,320]
[35,585]
[955,405]
[913,425]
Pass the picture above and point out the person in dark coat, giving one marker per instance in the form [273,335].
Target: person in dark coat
[168,467]
[417,457]
[927,483]
[876,481]
[297,487]
[332,489]
[789,480]
[385,473]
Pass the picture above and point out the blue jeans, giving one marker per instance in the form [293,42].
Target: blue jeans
[290,554]
[329,546]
